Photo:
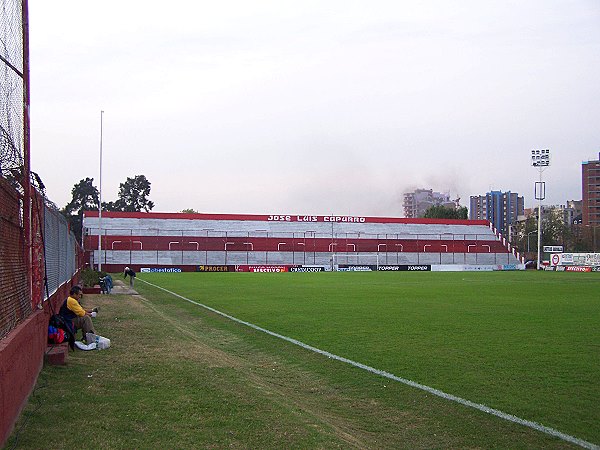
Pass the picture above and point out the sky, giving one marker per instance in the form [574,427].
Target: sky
[313,107]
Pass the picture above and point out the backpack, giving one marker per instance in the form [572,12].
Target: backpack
[60,331]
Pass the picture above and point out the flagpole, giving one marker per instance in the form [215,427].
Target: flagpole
[100,203]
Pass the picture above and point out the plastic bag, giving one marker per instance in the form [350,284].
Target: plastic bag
[101,342]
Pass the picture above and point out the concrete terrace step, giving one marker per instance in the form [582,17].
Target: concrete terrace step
[122,288]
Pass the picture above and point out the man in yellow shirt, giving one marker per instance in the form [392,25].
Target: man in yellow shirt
[74,314]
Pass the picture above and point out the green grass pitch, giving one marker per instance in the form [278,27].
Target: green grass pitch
[526,343]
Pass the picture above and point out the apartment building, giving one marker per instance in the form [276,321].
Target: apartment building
[590,178]
[500,208]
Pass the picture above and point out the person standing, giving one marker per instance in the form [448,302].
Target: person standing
[131,274]
[74,314]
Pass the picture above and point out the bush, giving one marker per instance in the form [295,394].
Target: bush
[91,278]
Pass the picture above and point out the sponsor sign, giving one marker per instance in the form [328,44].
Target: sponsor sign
[160,270]
[307,269]
[553,248]
[356,268]
[471,268]
[478,268]
[596,269]
[361,268]
[385,268]
[263,268]
[575,259]
[566,258]
[592,259]
[417,268]
[207,268]
[578,269]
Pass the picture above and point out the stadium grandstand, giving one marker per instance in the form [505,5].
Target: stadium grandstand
[193,242]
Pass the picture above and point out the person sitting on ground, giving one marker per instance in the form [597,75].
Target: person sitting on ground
[74,314]
[131,274]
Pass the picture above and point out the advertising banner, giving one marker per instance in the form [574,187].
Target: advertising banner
[385,268]
[476,268]
[575,259]
[215,268]
[307,269]
[160,270]
[592,259]
[262,268]
[472,268]
[565,259]
[578,269]
[356,268]
[416,268]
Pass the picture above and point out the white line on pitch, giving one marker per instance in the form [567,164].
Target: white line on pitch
[486,409]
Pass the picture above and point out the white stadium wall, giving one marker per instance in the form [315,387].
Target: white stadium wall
[187,241]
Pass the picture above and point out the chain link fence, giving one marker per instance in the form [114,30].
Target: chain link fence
[62,252]
[11,89]
[15,303]
[56,256]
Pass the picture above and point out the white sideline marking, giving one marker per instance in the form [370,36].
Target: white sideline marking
[486,409]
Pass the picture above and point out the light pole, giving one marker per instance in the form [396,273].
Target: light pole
[100,203]
[541,160]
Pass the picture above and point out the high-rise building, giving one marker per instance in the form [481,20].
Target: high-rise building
[590,178]
[575,206]
[500,208]
[418,202]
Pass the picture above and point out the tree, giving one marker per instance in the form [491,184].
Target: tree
[441,212]
[110,206]
[189,211]
[525,237]
[555,231]
[133,195]
[85,198]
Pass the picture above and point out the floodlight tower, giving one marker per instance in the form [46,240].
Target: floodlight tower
[541,160]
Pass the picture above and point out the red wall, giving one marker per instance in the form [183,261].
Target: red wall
[287,244]
[21,359]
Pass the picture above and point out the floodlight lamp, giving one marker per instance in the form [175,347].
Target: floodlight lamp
[540,158]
